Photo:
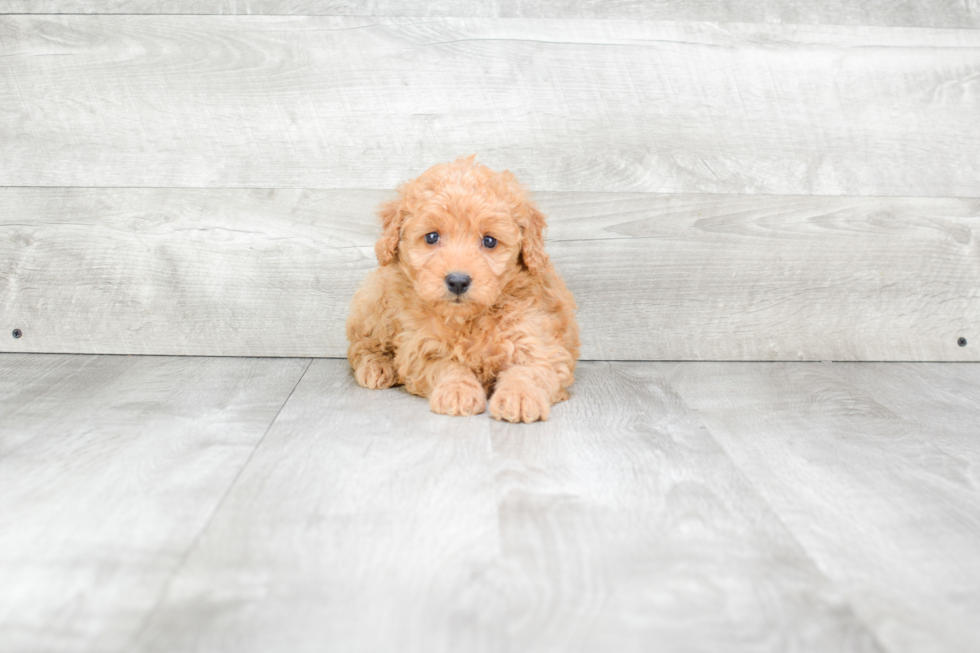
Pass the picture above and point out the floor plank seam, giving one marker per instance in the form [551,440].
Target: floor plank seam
[845,598]
[138,633]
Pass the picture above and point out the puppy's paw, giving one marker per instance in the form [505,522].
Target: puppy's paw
[458,396]
[376,373]
[517,403]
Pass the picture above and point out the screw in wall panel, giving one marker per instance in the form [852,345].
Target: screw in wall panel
[961,342]
[17,333]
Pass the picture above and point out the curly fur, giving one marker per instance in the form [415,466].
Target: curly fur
[511,336]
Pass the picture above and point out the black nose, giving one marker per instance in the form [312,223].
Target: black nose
[457,282]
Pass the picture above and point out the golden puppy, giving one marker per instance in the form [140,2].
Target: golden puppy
[465,303]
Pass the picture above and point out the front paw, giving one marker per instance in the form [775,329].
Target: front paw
[458,397]
[376,373]
[517,403]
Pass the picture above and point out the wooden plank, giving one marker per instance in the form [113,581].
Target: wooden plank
[678,277]
[595,105]
[920,13]
[943,412]
[776,278]
[625,528]
[185,272]
[110,468]
[358,524]
[882,496]
[364,522]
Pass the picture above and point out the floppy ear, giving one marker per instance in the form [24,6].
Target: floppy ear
[532,225]
[391,223]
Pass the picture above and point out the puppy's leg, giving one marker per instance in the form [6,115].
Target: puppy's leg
[374,371]
[369,333]
[525,393]
[373,368]
[455,390]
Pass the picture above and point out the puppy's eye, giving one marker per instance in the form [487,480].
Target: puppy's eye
[432,237]
[489,242]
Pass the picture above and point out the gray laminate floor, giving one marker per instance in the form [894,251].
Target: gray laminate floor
[231,504]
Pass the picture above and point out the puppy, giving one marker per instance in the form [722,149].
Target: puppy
[464,303]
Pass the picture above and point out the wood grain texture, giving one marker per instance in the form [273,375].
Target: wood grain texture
[577,104]
[775,278]
[874,469]
[110,468]
[920,13]
[358,525]
[667,506]
[695,277]
[198,272]
[624,527]
[365,523]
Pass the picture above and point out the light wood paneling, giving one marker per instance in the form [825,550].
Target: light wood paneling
[271,273]
[365,523]
[199,272]
[917,13]
[774,278]
[598,105]
[873,468]
[110,468]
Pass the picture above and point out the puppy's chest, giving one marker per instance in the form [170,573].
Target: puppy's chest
[474,349]
[480,346]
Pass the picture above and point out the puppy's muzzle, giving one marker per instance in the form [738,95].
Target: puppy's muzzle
[457,282]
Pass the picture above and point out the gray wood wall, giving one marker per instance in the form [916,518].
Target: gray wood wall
[723,180]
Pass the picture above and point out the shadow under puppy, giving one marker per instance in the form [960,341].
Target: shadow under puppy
[465,303]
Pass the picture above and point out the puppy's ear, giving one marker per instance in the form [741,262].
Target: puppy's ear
[532,225]
[391,223]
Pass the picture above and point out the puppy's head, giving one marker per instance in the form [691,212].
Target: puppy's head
[460,233]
